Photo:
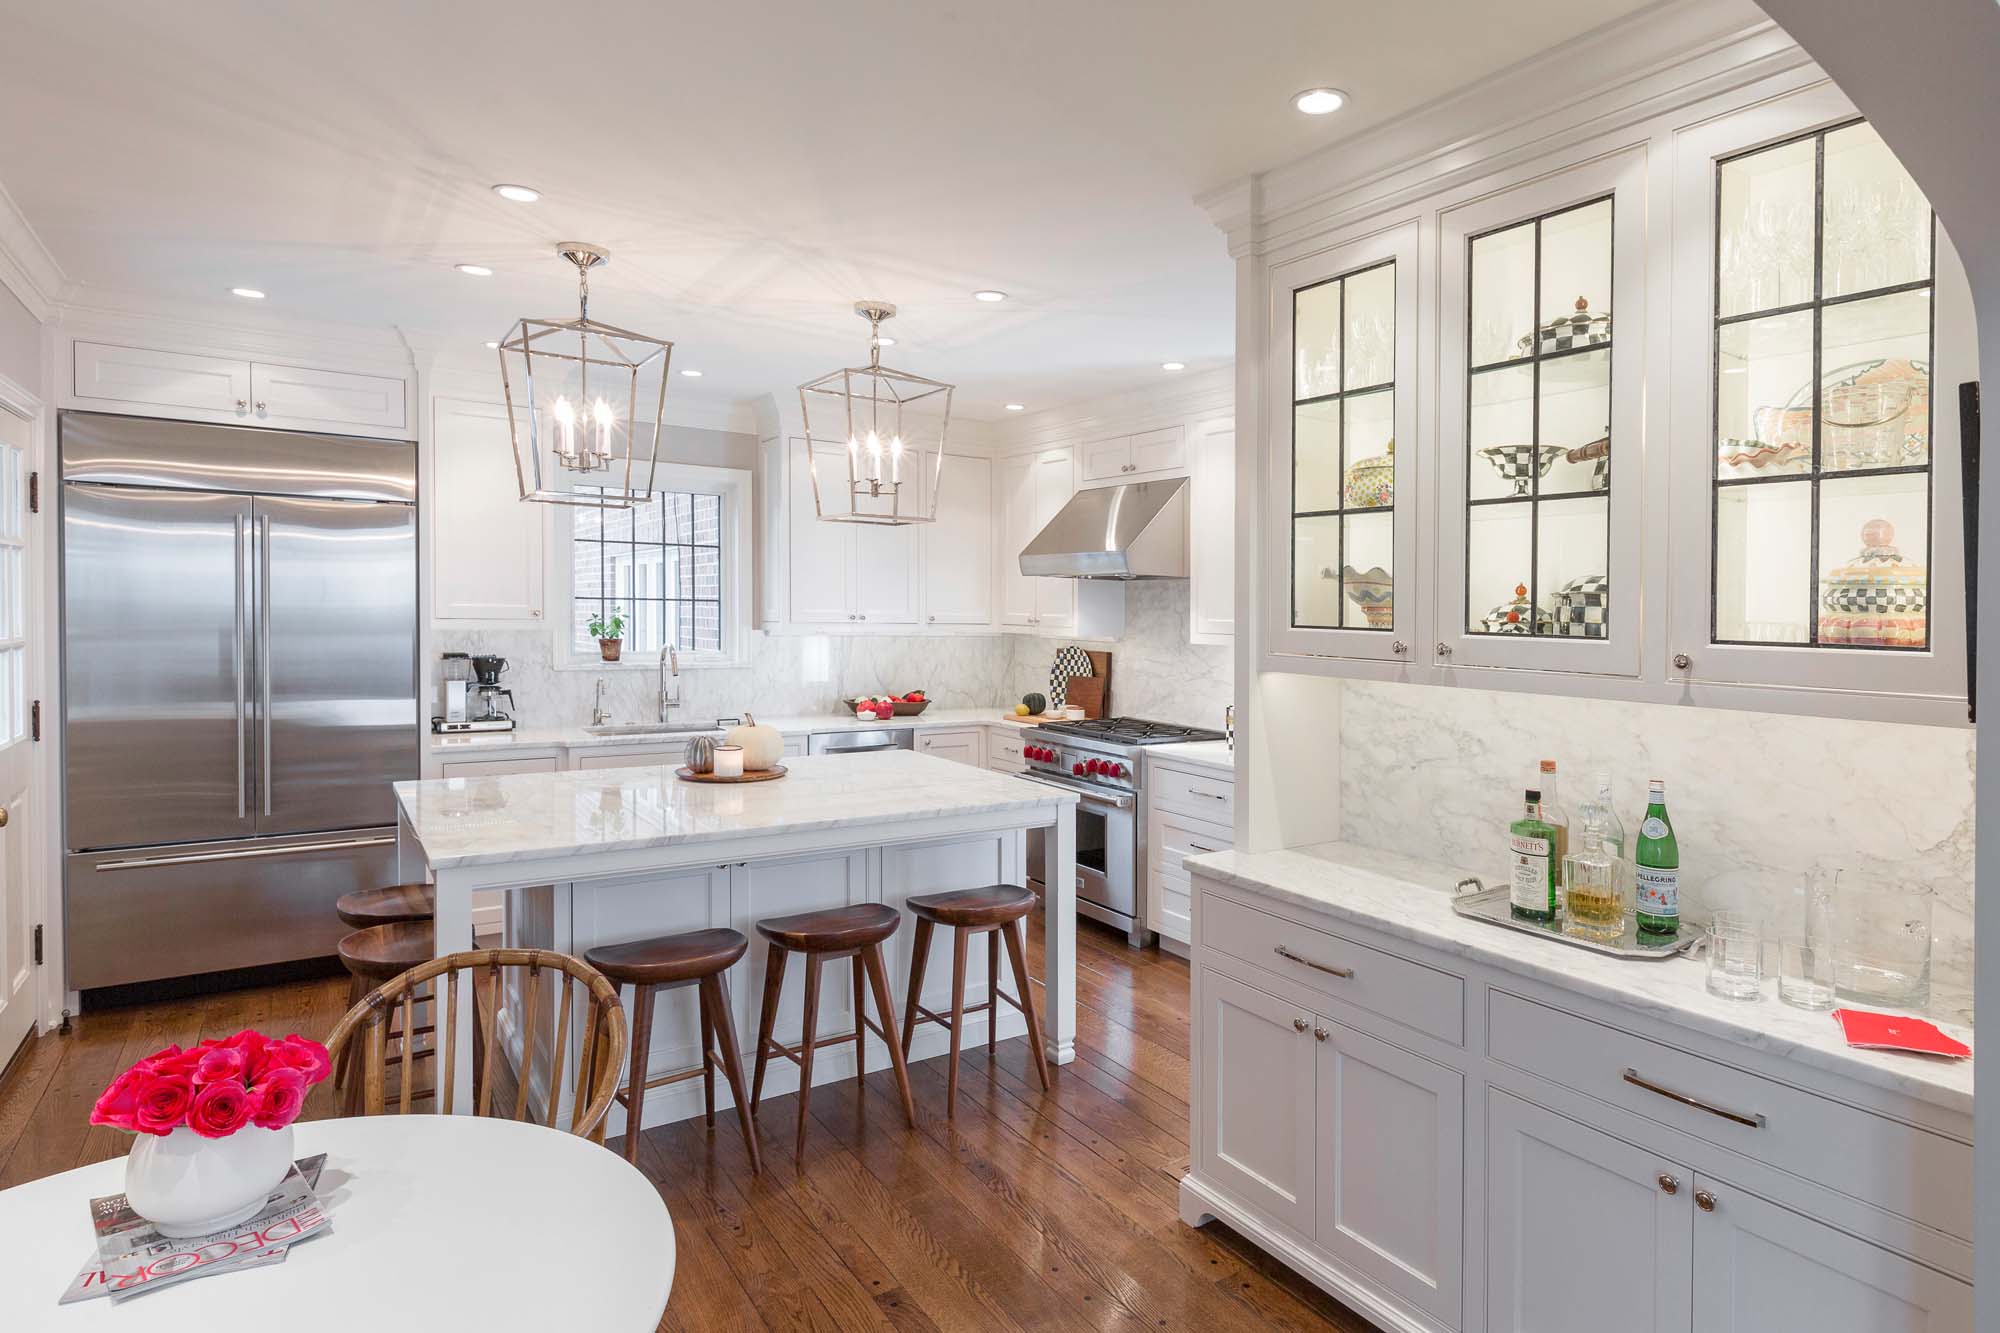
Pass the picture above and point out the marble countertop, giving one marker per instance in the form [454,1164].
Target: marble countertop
[576,738]
[479,820]
[1411,899]
[1213,755]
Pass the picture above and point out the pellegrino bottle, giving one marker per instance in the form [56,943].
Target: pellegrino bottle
[1532,892]
[1657,860]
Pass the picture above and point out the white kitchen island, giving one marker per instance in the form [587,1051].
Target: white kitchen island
[599,856]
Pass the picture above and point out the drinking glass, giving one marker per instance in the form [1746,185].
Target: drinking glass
[1882,942]
[1736,956]
[1805,943]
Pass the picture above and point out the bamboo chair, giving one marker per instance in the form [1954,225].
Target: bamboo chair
[600,1060]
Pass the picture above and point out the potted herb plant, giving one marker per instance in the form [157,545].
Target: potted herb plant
[609,631]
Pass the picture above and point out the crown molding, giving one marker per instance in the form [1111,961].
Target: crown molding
[27,269]
[203,327]
[1210,392]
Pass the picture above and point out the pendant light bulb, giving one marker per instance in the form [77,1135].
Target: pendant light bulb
[565,419]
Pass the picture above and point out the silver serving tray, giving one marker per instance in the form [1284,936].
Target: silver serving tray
[1475,902]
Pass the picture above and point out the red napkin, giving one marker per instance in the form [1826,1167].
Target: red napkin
[1894,1032]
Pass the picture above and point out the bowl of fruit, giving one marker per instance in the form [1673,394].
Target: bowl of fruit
[885,706]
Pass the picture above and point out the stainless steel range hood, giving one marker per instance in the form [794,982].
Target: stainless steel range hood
[1134,531]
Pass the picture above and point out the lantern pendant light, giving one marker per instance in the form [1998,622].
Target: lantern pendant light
[890,425]
[584,401]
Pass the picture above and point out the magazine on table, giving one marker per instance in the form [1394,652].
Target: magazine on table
[133,1257]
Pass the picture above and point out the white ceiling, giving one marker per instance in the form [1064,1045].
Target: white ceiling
[754,167]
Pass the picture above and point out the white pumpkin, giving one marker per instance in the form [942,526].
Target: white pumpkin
[762,746]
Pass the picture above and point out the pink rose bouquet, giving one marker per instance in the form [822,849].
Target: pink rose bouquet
[217,1087]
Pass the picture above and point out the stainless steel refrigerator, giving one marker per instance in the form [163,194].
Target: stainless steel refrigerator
[239,689]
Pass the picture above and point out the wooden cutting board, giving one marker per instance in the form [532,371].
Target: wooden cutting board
[1087,693]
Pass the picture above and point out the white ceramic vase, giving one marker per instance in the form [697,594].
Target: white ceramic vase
[187,1185]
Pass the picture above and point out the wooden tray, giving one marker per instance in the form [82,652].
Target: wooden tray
[771,774]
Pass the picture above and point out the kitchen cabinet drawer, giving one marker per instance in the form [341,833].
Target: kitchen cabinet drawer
[493,768]
[1172,838]
[1419,997]
[1196,794]
[650,757]
[959,746]
[1912,1172]
[1170,904]
[1003,749]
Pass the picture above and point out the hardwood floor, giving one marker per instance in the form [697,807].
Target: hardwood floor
[1026,1212]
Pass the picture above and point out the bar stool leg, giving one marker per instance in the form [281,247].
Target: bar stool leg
[1017,955]
[872,956]
[860,1026]
[716,994]
[807,1037]
[635,1089]
[958,943]
[920,957]
[774,982]
[707,1058]
[992,989]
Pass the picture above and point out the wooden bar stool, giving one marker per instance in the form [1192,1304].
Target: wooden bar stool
[363,908]
[697,958]
[853,932]
[990,911]
[373,955]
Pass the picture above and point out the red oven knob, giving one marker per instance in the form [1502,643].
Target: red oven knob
[1078,770]
[1117,770]
[1033,752]
[1093,767]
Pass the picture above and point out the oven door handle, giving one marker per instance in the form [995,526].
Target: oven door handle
[1116,800]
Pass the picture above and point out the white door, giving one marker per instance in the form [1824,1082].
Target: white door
[17,928]
[822,553]
[486,543]
[1391,1166]
[1016,488]
[1055,482]
[885,574]
[1258,1128]
[1760,1268]
[958,548]
[1162,450]
[1585,1233]
[1105,459]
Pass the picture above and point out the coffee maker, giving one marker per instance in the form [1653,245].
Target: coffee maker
[469,695]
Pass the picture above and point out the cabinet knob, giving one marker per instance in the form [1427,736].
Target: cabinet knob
[1704,1201]
[261,405]
[1669,1184]
[1682,661]
[932,619]
[1443,648]
[861,617]
[1319,1034]
[1399,647]
[1298,1025]
[242,403]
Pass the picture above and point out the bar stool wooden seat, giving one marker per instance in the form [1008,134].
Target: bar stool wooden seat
[996,912]
[363,908]
[373,955]
[697,958]
[853,932]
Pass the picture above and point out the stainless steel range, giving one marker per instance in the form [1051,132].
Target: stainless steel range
[1099,761]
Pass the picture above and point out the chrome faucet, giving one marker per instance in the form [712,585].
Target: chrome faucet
[599,714]
[670,662]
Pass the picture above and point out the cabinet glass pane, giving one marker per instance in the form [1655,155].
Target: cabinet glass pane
[1368,574]
[1538,428]
[1875,394]
[1763,563]
[1370,352]
[1764,218]
[1878,223]
[1316,340]
[1836,393]
[1316,572]
[1343,451]
[1316,457]
[1763,396]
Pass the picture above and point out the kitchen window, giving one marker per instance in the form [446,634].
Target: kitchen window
[675,565]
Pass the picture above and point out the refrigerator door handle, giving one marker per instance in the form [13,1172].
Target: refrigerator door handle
[242,572]
[242,854]
[264,661]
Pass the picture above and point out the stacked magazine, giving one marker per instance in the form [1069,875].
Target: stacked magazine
[133,1257]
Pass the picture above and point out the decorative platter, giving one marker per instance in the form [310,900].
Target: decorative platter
[772,774]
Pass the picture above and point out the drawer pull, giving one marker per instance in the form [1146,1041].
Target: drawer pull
[1197,847]
[1213,796]
[1283,952]
[1753,1121]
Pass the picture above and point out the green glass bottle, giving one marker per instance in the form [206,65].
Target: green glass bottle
[1532,843]
[1657,860]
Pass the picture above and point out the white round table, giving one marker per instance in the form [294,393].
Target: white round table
[439,1221]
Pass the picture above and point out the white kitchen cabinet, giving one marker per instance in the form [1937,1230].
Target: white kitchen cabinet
[1147,456]
[156,382]
[965,746]
[1260,1118]
[1584,1231]
[1212,534]
[326,399]
[845,573]
[144,378]
[486,544]
[1187,813]
[958,547]
[886,587]
[1032,488]
[1003,748]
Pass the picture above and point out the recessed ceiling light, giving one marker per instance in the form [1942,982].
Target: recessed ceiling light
[474,270]
[692,374]
[989,295]
[517,194]
[1320,101]
[247,293]
[1017,407]
[884,340]
[1173,365]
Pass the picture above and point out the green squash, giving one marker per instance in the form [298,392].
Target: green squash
[1037,703]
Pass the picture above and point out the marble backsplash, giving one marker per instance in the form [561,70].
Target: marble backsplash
[1756,799]
[1155,671]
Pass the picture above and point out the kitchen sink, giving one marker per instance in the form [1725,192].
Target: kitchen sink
[653,729]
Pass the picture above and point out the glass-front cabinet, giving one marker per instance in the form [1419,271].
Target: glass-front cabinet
[1541,424]
[1347,496]
[1824,328]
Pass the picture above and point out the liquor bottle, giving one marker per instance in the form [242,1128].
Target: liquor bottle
[1593,900]
[1614,832]
[1657,859]
[1532,890]
[1552,812]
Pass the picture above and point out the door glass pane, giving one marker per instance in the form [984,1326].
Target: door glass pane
[1836,395]
[1575,409]
[1503,295]
[1343,451]
[1573,541]
[1576,261]
[1499,560]
[1502,432]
